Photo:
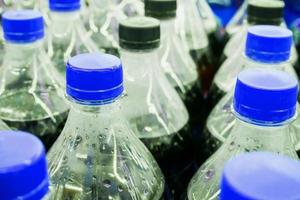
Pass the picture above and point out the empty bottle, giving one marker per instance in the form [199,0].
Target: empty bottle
[30,96]
[97,156]
[154,109]
[67,35]
[259,12]
[175,59]
[23,167]
[266,47]
[261,175]
[264,105]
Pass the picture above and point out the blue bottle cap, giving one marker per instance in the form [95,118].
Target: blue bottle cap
[269,44]
[261,175]
[23,26]
[64,5]
[23,167]
[94,78]
[265,97]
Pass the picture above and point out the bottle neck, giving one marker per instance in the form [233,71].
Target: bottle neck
[62,23]
[249,63]
[132,59]
[167,27]
[21,52]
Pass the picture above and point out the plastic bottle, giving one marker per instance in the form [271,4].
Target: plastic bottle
[102,23]
[97,156]
[259,12]
[160,119]
[30,96]
[67,35]
[212,27]
[190,28]
[264,105]
[266,47]
[23,167]
[261,175]
[176,61]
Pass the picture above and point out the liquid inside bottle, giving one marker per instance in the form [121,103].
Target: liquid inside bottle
[31,98]
[160,119]
[258,127]
[97,155]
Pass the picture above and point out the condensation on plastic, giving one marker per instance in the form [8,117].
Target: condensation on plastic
[97,156]
[243,137]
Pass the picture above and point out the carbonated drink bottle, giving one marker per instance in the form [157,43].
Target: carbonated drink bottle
[212,27]
[67,35]
[264,105]
[160,119]
[102,24]
[23,167]
[190,28]
[259,12]
[176,61]
[97,156]
[261,175]
[266,47]
[31,98]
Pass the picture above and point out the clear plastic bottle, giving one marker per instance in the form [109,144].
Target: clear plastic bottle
[98,156]
[264,105]
[259,12]
[102,24]
[175,58]
[261,175]
[30,96]
[67,35]
[23,167]
[274,43]
[160,119]
[232,55]
[190,28]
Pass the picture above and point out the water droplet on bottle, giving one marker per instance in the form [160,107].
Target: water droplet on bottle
[209,174]
[120,188]
[107,183]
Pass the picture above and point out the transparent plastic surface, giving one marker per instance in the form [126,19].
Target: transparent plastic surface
[190,28]
[67,37]
[102,23]
[236,22]
[176,62]
[19,4]
[206,13]
[97,156]
[30,96]
[221,119]
[160,111]
[244,137]
[159,117]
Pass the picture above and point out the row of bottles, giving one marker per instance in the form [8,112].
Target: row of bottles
[120,102]
[260,175]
